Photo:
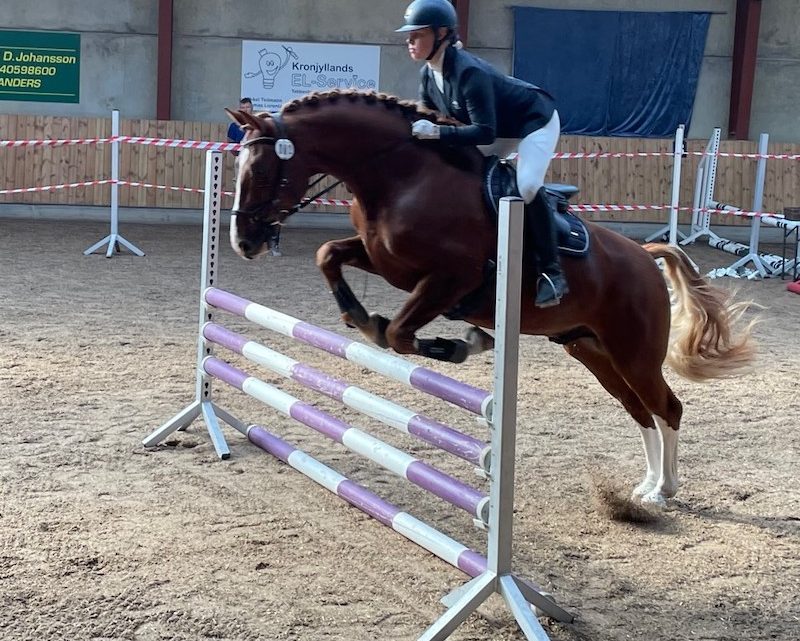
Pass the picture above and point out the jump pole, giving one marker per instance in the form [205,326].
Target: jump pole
[114,239]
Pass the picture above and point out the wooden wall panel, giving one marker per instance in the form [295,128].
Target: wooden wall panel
[635,180]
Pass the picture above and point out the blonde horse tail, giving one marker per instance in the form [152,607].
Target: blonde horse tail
[704,342]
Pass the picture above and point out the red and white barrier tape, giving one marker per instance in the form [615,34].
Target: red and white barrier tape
[177,143]
[335,202]
[55,143]
[131,183]
[26,190]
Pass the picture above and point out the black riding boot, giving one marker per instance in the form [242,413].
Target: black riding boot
[541,231]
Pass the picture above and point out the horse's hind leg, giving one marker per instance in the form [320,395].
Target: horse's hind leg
[330,258]
[589,352]
[640,365]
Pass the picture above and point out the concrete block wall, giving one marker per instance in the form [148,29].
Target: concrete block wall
[119,39]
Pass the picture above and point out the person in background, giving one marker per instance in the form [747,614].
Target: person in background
[500,114]
[236,134]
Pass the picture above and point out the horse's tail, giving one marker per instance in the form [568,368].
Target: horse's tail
[703,341]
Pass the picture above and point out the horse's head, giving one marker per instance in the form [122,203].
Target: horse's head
[269,183]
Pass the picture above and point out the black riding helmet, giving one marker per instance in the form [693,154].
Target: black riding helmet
[421,14]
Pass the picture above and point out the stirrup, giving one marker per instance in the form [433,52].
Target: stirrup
[549,302]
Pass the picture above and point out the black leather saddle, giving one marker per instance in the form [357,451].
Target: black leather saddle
[500,179]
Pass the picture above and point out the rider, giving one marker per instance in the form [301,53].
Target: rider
[499,112]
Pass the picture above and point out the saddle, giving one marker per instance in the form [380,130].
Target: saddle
[500,179]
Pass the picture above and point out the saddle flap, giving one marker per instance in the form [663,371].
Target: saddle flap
[500,179]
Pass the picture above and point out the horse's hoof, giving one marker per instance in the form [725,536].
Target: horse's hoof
[379,324]
[644,488]
[478,340]
[348,321]
[655,498]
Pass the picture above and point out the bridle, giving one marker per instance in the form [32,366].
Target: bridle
[284,150]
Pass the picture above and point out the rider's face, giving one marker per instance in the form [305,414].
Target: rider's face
[246,106]
[420,43]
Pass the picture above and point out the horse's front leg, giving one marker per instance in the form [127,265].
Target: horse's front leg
[433,295]
[330,258]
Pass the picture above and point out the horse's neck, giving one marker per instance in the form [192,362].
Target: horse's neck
[346,144]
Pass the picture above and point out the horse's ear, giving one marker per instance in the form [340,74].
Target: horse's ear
[247,120]
[257,123]
[235,116]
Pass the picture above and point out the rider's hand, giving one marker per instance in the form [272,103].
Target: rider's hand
[425,129]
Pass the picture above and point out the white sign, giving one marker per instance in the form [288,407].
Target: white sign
[274,73]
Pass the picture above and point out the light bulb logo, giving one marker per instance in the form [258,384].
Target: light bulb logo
[269,64]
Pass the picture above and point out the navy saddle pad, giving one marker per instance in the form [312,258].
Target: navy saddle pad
[500,179]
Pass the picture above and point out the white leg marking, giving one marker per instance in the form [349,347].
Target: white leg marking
[240,161]
[652,454]
[667,485]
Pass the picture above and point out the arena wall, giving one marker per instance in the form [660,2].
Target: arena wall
[118,42]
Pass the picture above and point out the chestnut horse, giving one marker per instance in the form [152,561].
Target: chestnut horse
[422,224]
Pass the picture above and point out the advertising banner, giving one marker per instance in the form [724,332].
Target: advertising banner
[276,72]
[40,66]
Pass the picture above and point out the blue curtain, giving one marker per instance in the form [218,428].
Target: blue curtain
[613,73]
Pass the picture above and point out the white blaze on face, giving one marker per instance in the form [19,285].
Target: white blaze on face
[241,159]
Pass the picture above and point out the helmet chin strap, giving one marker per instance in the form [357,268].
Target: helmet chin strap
[438,44]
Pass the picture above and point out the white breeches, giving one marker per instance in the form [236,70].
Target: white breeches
[535,153]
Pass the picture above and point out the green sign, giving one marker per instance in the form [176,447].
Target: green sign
[40,66]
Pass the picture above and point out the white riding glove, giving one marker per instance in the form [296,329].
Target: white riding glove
[425,129]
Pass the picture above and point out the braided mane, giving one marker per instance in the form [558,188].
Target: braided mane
[408,108]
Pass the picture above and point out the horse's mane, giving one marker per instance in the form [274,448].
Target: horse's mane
[410,109]
[461,157]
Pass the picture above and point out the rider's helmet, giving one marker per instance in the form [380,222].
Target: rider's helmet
[430,13]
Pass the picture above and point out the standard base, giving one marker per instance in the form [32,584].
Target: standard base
[210,413]
[762,269]
[517,594]
[114,241]
[663,234]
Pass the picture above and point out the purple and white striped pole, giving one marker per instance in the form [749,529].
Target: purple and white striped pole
[458,555]
[404,465]
[423,427]
[470,398]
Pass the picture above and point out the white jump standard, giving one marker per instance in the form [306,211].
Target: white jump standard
[491,574]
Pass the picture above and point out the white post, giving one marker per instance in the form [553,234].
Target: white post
[114,239]
[676,187]
[671,229]
[115,172]
[762,267]
[203,403]
[706,179]
[498,577]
